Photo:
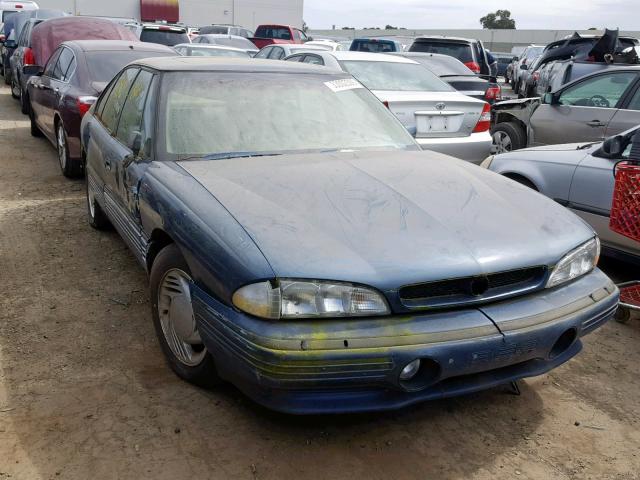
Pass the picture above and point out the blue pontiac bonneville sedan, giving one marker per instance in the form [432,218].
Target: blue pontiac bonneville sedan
[301,246]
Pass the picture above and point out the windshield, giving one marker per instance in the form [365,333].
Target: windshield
[533,52]
[443,66]
[206,113]
[461,51]
[104,65]
[373,45]
[405,77]
[273,32]
[237,42]
[163,37]
[218,52]
[7,13]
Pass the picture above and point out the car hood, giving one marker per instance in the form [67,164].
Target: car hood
[387,219]
[564,147]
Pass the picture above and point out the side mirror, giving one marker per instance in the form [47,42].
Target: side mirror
[612,147]
[135,140]
[32,70]
[309,39]
[549,99]
[524,66]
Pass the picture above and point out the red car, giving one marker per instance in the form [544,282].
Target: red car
[270,34]
[74,77]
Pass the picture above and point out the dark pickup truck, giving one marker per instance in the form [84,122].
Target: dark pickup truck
[270,34]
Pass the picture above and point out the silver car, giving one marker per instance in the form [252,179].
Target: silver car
[280,51]
[439,117]
[579,176]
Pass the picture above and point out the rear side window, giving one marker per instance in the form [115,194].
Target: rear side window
[376,46]
[461,51]
[6,13]
[66,65]
[273,32]
[104,65]
[163,37]
[115,102]
[131,119]
[51,64]
[277,53]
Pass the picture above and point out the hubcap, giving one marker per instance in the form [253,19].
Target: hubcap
[502,142]
[177,319]
[62,150]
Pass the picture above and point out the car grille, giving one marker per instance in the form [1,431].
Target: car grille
[476,289]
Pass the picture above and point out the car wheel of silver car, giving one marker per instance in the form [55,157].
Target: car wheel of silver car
[15,90]
[507,136]
[174,319]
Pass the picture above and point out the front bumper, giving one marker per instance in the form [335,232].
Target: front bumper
[338,366]
[474,148]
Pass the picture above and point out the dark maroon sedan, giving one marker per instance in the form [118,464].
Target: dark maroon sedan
[73,78]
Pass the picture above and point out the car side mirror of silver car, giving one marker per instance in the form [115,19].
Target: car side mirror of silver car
[612,147]
[549,99]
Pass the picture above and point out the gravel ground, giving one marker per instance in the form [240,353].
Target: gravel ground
[84,391]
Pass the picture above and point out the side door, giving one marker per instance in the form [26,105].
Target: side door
[581,111]
[591,196]
[103,148]
[132,156]
[628,116]
[52,90]
[42,90]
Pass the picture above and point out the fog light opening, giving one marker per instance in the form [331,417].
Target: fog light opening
[410,370]
[564,342]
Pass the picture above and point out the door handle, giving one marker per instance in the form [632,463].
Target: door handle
[595,123]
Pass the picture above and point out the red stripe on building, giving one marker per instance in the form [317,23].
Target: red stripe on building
[168,10]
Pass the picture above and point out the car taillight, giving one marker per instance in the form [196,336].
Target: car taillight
[29,57]
[484,122]
[473,66]
[19,6]
[2,37]
[493,93]
[84,104]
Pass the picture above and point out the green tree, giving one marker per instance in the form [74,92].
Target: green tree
[390,27]
[500,20]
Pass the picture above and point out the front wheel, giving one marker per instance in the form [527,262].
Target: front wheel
[15,89]
[174,320]
[508,136]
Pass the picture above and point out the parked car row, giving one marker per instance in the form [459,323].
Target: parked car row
[303,237]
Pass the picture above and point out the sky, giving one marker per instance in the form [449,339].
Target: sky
[533,14]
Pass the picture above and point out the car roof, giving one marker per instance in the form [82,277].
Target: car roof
[370,57]
[210,64]
[221,35]
[113,45]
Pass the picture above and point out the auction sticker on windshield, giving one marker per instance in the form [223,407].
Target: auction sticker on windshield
[343,84]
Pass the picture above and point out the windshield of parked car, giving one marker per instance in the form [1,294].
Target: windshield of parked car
[7,13]
[273,32]
[163,37]
[406,77]
[214,29]
[237,42]
[104,65]
[443,65]
[209,113]
[217,52]
[461,51]
[373,45]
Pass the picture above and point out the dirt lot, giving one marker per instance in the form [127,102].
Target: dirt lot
[84,391]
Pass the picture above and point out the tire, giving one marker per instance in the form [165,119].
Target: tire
[96,217]
[623,315]
[170,273]
[522,181]
[7,76]
[35,131]
[14,87]
[25,106]
[508,136]
[70,167]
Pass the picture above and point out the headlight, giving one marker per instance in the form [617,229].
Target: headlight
[576,263]
[486,163]
[291,298]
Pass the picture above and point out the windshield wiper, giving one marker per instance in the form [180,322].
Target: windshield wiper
[586,145]
[226,155]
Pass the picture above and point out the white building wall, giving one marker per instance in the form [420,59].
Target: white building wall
[248,13]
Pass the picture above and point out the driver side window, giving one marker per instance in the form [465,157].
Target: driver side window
[604,91]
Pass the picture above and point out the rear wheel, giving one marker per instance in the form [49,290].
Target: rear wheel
[508,136]
[174,320]
[25,106]
[623,314]
[70,167]
[15,89]
[7,76]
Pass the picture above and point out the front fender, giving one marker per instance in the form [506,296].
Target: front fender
[220,253]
